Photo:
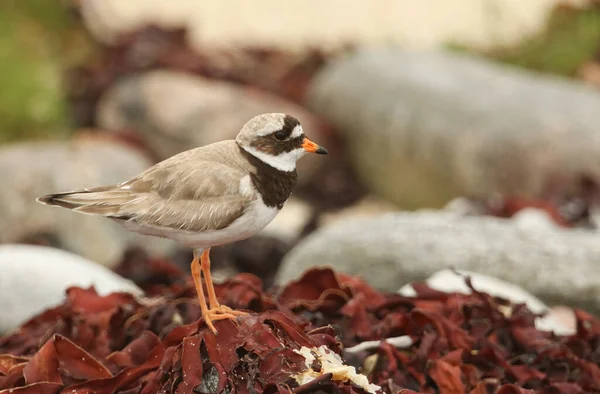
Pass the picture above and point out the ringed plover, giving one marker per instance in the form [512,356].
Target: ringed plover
[208,196]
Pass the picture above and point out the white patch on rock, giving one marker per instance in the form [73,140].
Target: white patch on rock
[534,219]
[331,363]
[401,342]
[451,281]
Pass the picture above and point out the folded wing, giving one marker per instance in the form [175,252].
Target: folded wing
[199,198]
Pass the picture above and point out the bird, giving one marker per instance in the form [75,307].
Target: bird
[206,196]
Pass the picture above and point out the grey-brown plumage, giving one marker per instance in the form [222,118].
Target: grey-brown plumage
[196,190]
[206,189]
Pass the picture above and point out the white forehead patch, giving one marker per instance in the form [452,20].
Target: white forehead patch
[297,132]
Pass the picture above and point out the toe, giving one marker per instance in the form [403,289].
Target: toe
[222,316]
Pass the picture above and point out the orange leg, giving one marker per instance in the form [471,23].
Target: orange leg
[209,315]
[205,264]
[212,296]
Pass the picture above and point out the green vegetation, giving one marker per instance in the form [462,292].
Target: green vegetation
[36,43]
[571,39]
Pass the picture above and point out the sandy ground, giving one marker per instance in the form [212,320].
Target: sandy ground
[412,23]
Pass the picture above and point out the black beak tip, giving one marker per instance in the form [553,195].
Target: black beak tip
[321,151]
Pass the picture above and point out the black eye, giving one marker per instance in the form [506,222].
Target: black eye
[280,135]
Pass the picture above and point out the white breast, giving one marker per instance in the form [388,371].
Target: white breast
[254,219]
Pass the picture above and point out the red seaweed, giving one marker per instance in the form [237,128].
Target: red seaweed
[460,343]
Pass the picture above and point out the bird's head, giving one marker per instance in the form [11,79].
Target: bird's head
[276,139]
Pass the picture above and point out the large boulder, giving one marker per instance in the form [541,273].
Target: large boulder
[176,111]
[35,278]
[557,265]
[29,170]
[424,127]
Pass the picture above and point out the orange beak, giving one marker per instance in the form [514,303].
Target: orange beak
[311,147]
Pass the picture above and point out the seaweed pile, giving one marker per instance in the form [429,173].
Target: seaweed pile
[312,335]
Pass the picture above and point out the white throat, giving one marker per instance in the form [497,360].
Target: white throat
[284,162]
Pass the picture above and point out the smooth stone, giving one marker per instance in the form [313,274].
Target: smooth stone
[423,128]
[35,278]
[175,111]
[368,206]
[388,251]
[58,166]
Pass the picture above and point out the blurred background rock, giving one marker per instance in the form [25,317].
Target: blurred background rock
[485,108]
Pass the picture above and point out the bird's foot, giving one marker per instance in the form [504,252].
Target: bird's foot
[226,309]
[220,312]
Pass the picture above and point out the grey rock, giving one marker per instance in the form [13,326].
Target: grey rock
[425,127]
[29,170]
[394,249]
[290,221]
[367,206]
[35,278]
[175,111]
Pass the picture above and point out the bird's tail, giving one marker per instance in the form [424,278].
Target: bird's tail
[104,201]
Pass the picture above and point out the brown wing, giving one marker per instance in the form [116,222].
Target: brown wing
[192,195]
[205,197]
